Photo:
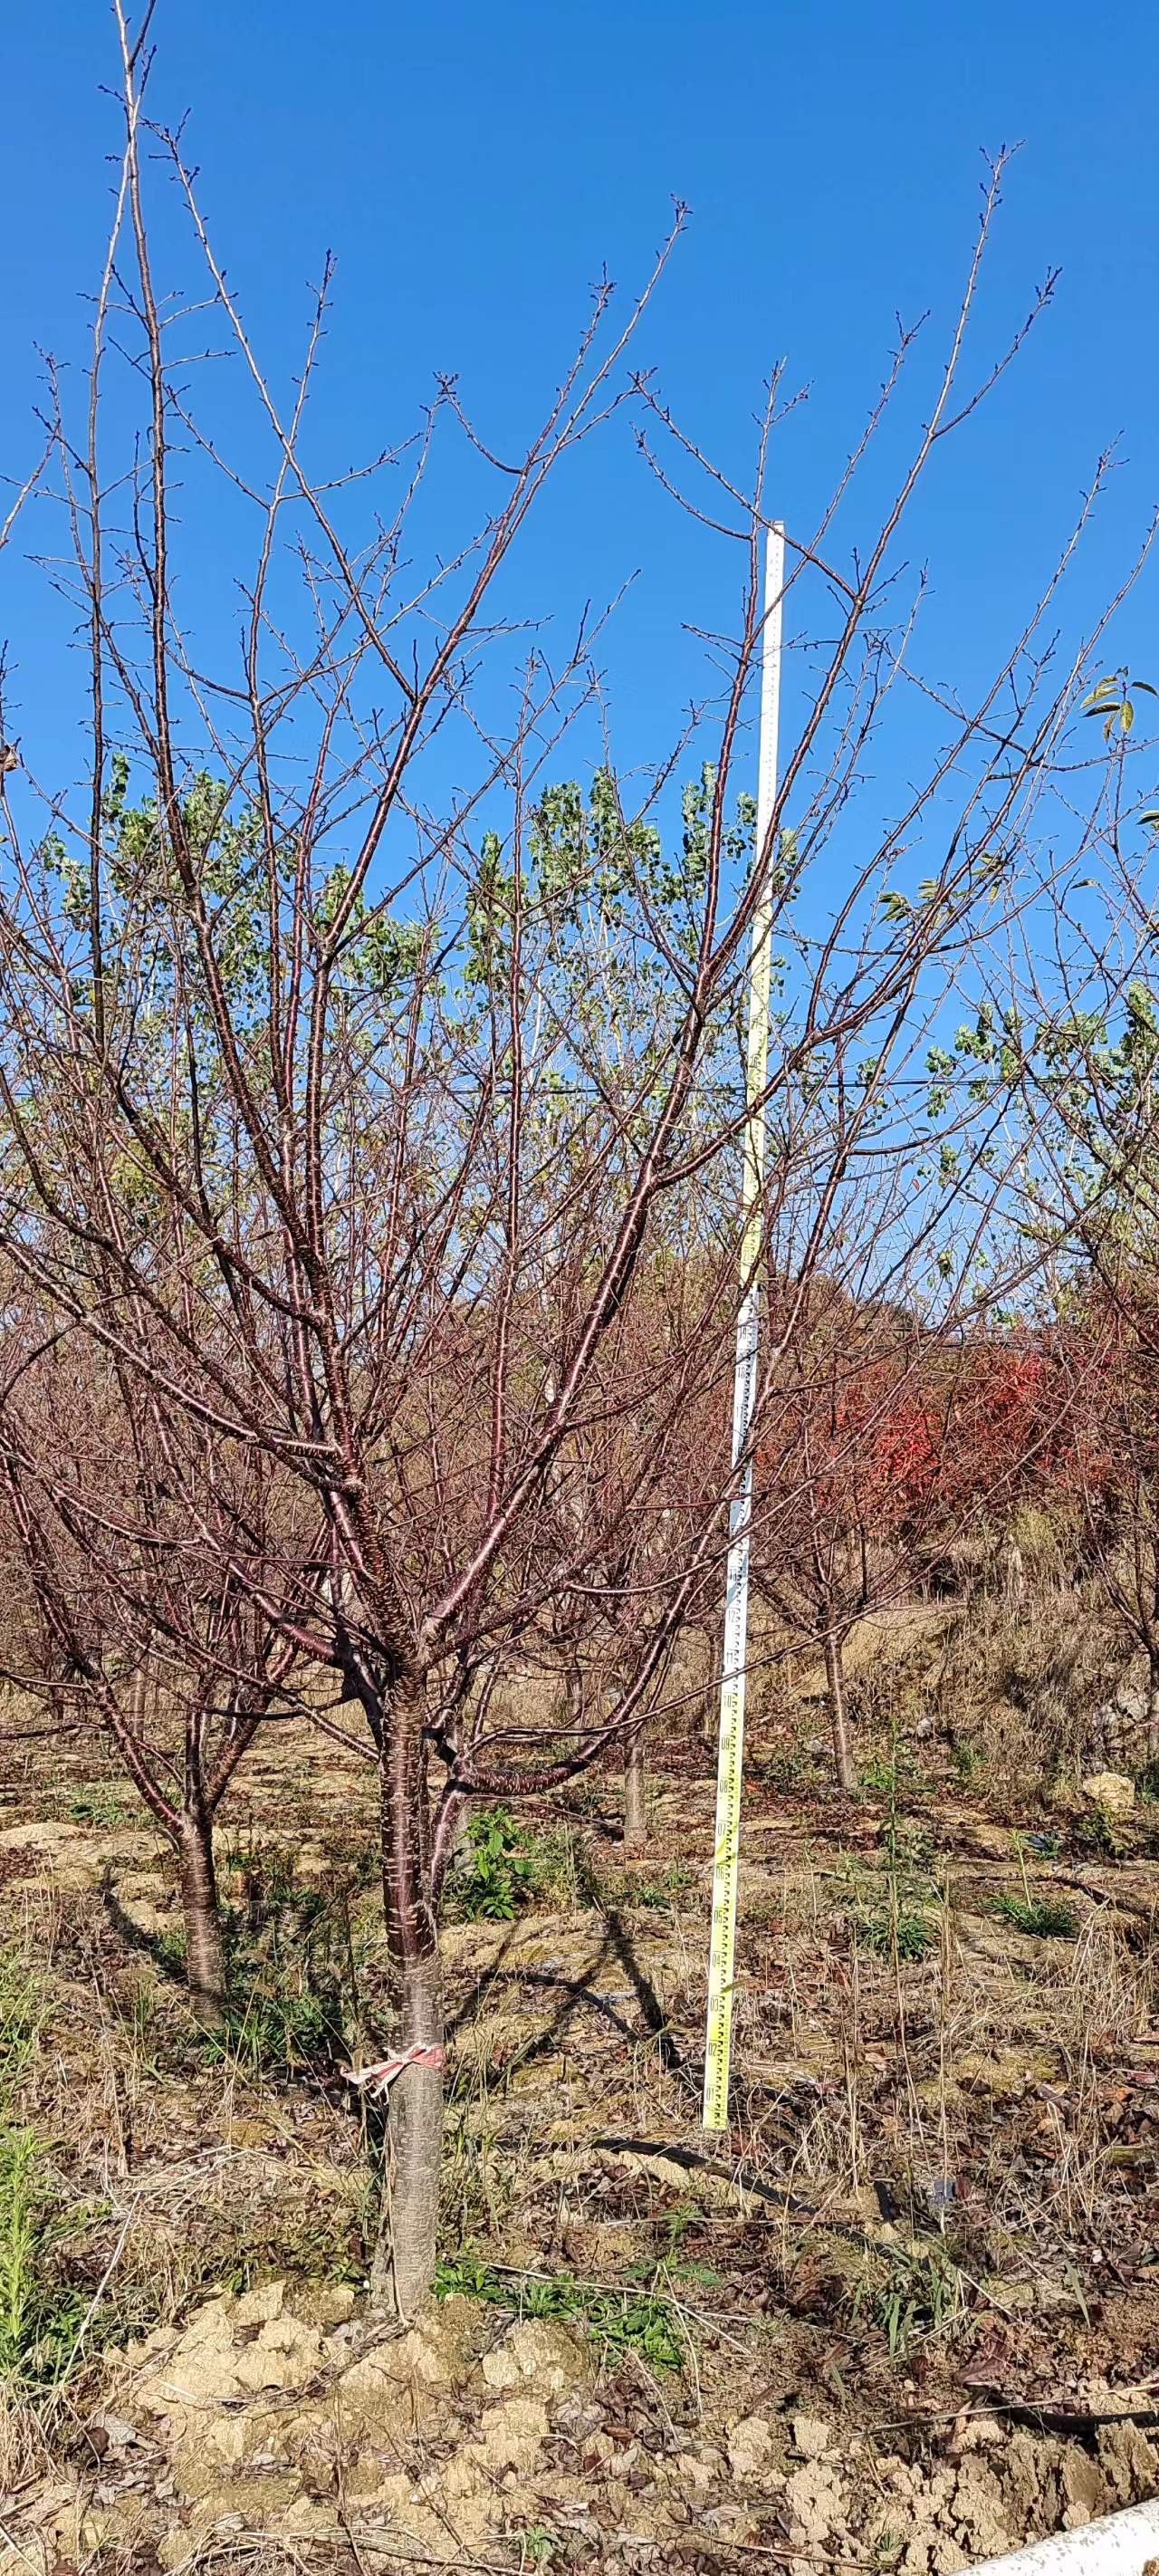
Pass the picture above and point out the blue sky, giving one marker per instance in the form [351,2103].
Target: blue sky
[473,166]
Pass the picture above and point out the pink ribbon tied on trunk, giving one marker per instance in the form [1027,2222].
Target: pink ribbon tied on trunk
[378,2079]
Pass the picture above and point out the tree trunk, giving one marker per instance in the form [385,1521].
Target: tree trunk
[1153,1708]
[710,1704]
[635,1802]
[835,1681]
[404,2258]
[204,1956]
[1012,1573]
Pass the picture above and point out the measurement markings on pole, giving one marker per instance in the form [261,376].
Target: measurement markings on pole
[730,1751]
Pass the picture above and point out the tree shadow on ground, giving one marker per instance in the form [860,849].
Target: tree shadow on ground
[576,1994]
[151,1945]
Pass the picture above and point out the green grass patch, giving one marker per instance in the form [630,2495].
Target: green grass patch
[101,1802]
[1048,1918]
[780,1768]
[628,1888]
[892,1775]
[271,2030]
[41,2315]
[892,1902]
[502,1868]
[911,2297]
[293,1969]
[493,1876]
[22,2009]
[643,2322]
[909,1933]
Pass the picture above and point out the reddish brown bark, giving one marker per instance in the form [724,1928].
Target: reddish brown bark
[838,1713]
[204,1950]
[635,1799]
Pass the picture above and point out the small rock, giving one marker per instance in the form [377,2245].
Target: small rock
[816,2502]
[691,2472]
[976,2433]
[250,2132]
[201,2369]
[1007,2075]
[547,2355]
[577,2419]
[259,2307]
[333,2304]
[117,2432]
[979,2512]
[285,2355]
[233,2504]
[1129,2462]
[1082,2486]
[368,2393]
[512,2433]
[660,2169]
[985,1841]
[113,2525]
[162,2339]
[211,2325]
[749,2445]
[1020,2296]
[811,2436]
[1112,1791]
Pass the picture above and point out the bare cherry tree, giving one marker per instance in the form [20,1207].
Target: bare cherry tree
[128,1625]
[1108,1347]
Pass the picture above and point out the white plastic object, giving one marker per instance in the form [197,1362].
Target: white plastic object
[1118,2544]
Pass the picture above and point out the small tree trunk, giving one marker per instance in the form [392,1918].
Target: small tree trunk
[710,1704]
[635,1802]
[835,1681]
[204,1956]
[1153,1707]
[1013,1573]
[404,2257]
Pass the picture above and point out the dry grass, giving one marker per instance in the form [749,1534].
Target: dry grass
[25,2447]
[1017,1689]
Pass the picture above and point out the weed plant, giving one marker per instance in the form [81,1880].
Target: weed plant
[1094,1836]
[292,1971]
[891,1913]
[502,1868]
[40,2313]
[494,1875]
[102,1802]
[643,2322]
[629,1888]
[1048,1918]
[911,2297]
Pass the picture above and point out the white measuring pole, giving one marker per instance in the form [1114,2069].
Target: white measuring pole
[730,1756]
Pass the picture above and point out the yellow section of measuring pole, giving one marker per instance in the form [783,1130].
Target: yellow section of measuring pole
[730,1755]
